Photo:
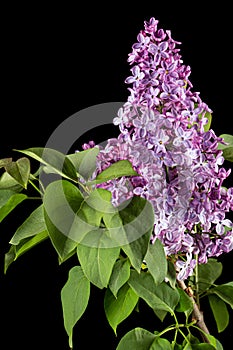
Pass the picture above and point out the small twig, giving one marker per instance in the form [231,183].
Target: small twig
[197,314]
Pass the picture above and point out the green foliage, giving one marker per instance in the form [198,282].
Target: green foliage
[97,262]
[32,232]
[61,202]
[74,296]
[208,273]
[8,201]
[19,170]
[185,304]
[136,250]
[171,274]
[156,261]
[4,162]
[33,225]
[118,309]
[54,160]
[85,162]
[141,339]
[158,297]
[137,339]
[7,182]
[23,246]
[228,147]
[220,312]
[201,346]
[228,139]
[208,116]
[161,344]
[89,219]
[224,292]
[116,170]
[120,275]
[214,342]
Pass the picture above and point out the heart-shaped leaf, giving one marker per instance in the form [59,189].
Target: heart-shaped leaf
[19,170]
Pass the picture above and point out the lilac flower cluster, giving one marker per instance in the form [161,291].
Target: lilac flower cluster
[164,133]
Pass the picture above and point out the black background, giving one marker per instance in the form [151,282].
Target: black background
[56,61]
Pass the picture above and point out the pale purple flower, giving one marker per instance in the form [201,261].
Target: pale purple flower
[159,35]
[168,71]
[221,222]
[169,92]
[88,145]
[159,51]
[136,77]
[142,42]
[151,25]
[160,140]
[183,137]
[185,267]
[151,96]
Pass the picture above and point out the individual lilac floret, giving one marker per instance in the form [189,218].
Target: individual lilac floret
[88,145]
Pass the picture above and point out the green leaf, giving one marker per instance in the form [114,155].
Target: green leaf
[61,202]
[213,341]
[208,273]
[8,183]
[161,344]
[120,275]
[90,214]
[228,148]
[161,314]
[208,116]
[33,225]
[171,274]
[131,227]
[8,201]
[29,243]
[116,170]
[97,262]
[9,258]
[228,154]
[26,244]
[225,292]
[19,170]
[88,227]
[137,339]
[160,297]
[228,139]
[185,304]
[4,162]
[117,310]
[202,346]
[192,339]
[136,250]
[85,161]
[177,346]
[156,261]
[74,296]
[207,126]
[54,159]
[229,284]
[220,312]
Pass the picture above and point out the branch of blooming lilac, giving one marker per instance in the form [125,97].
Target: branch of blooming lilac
[197,314]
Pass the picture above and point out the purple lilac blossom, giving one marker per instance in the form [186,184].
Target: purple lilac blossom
[162,133]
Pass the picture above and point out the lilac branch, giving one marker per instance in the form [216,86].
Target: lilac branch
[197,314]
